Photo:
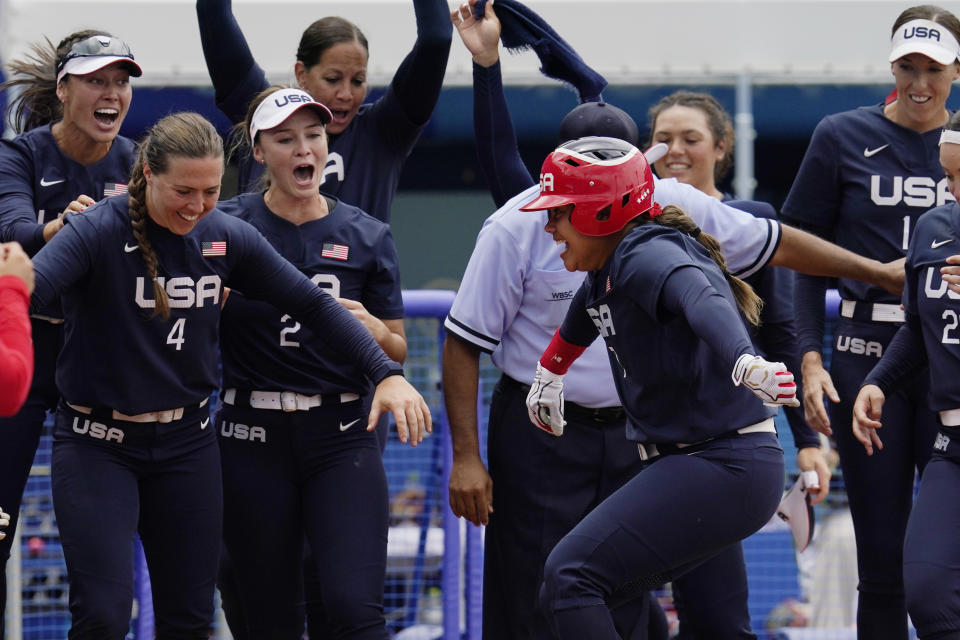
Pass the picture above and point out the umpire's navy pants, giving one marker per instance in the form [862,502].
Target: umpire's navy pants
[112,479]
[681,510]
[20,434]
[287,475]
[880,487]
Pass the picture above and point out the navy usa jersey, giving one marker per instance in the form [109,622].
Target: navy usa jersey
[347,253]
[863,183]
[673,385]
[926,295]
[117,353]
[38,181]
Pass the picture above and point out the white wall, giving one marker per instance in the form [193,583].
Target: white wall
[626,40]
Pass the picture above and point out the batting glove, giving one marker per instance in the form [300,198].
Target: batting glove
[769,381]
[545,401]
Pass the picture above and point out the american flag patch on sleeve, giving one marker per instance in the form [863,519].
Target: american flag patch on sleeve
[114,189]
[335,251]
[212,249]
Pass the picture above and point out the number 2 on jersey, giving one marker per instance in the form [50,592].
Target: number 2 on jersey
[331,284]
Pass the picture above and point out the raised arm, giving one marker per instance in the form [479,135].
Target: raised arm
[419,78]
[498,152]
[228,57]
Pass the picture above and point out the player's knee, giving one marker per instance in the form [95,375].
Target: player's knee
[104,619]
[565,580]
[930,600]
[351,611]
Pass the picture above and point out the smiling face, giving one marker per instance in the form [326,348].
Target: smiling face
[693,152]
[923,86]
[580,252]
[295,153]
[95,104]
[338,80]
[187,191]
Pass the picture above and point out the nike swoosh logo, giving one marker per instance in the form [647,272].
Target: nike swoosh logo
[49,183]
[130,248]
[344,427]
[935,244]
[203,425]
[867,152]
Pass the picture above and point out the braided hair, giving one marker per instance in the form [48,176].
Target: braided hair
[185,135]
[748,301]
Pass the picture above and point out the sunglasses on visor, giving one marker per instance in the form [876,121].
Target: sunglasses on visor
[96,46]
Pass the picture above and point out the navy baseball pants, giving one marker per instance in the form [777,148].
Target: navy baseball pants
[711,598]
[683,508]
[20,434]
[112,479]
[880,487]
[317,473]
[543,486]
[931,550]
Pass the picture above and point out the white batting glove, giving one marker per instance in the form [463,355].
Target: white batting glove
[4,521]
[545,401]
[769,381]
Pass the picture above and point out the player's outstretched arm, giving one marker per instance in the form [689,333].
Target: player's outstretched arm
[817,383]
[807,253]
[480,36]
[471,488]
[867,410]
[410,411]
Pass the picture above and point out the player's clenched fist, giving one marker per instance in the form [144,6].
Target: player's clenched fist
[410,411]
[545,401]
[769,381]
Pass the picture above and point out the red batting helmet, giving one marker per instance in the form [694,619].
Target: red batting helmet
[608,182]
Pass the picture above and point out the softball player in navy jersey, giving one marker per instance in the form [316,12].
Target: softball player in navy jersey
[292,434]
[928,338]
[699,134]
[73,99]
[141,281]
[867,176]
[661,297]
[369,143]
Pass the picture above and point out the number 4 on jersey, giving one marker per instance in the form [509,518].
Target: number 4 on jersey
[175,337]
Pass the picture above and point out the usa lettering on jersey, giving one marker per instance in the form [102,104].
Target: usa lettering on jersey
[913,191]
[183,291]
[242,431]
[98,430]
[603,320]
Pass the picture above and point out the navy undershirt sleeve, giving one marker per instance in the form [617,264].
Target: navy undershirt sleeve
[687,292]
[811,317]
[903,359]
[497,149]
[419,78]
[225,49]
[577,327]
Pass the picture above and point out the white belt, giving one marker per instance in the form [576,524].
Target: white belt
[950,418]
[163,417]
[284,400]
[648,451]
[879,312]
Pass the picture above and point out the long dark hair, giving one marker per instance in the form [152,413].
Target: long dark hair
[185,135]
[748,301]
[35,75]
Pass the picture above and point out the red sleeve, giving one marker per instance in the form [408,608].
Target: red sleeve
[16,346]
